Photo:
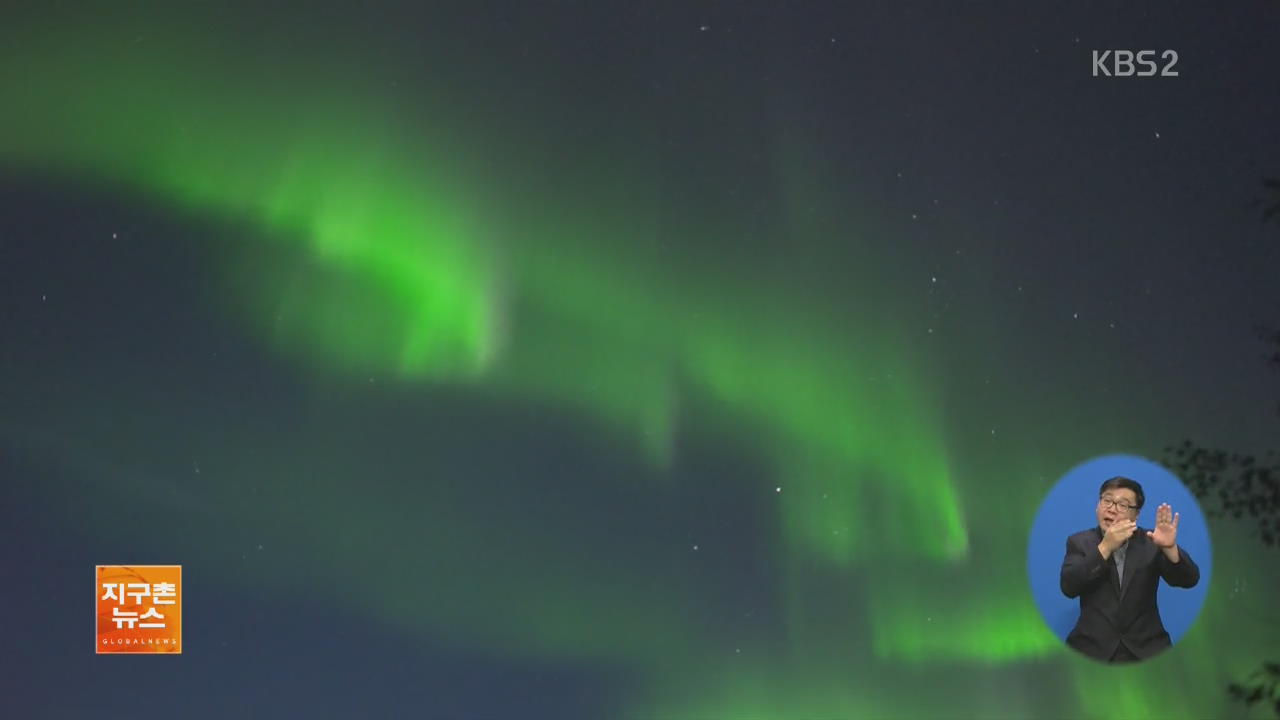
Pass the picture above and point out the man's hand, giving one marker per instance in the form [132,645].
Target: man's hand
[1166,533]
[1116,535]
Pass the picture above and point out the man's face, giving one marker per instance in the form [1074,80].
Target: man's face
[1116,504]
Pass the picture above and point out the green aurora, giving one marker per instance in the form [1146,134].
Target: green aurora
[367,246]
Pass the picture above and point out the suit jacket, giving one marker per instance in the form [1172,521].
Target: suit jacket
[1115,610]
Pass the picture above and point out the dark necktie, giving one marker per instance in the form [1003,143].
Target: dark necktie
[1120,551]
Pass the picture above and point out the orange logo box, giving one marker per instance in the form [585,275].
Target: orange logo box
[139,609]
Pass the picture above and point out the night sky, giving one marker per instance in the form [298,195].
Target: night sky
[635,360]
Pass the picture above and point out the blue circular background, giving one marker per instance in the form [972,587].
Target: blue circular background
[1069,508]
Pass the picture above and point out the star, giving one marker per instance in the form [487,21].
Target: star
[703,28]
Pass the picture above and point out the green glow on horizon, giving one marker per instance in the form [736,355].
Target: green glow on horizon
[913,622]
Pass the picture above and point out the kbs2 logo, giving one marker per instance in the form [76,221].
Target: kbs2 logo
[1124,63]
[139,609]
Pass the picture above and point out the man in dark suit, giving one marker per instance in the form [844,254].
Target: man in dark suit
[1115,569]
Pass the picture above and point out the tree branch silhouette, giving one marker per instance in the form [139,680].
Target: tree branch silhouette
[1240,487]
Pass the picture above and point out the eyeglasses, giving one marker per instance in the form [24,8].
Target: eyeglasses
[1121,506]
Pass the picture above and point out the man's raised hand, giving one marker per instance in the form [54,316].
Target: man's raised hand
[1166,533]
